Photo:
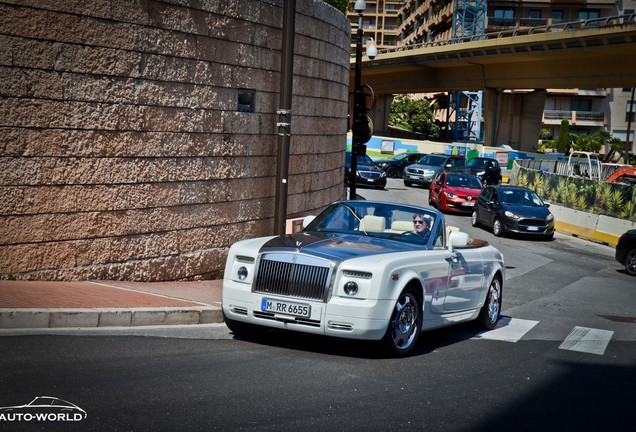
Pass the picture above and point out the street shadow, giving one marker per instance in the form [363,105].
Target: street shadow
[428,342]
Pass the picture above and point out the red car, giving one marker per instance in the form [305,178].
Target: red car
[452,191]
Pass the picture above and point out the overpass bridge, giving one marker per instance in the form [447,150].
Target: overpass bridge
[587,54]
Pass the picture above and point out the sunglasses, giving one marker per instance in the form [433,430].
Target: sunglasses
[418,222]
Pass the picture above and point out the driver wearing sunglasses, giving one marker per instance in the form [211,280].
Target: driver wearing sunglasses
[421,226]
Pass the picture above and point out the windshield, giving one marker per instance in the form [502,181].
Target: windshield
[404,223]
[520,197]
[399,157]
[361,160]
[467,181]
[482,163]
[432,160]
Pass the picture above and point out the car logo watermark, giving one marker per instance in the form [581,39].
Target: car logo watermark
[43,409]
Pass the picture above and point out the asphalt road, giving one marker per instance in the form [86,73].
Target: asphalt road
[565,360]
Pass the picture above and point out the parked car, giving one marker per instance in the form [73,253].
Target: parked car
[424,171]
[487,169]
[626,251]
[361,270]
[394,166]
[452,191]
[513,209]
[367,174]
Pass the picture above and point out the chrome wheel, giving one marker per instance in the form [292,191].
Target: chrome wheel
[473,219]
[490,312]
[404,326]
[496,228]
[630,262]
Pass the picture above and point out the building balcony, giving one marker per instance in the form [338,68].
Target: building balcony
[575,118]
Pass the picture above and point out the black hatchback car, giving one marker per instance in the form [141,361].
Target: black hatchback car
[487,169]
[394,166]
[367,173]
[626,251]
[513,209]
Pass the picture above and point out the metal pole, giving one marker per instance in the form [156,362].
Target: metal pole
[629,126]
[284,112]
[358,100]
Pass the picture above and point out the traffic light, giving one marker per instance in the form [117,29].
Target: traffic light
[362,127]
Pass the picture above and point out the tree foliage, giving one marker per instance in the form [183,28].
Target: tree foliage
[341,5]
[415,115]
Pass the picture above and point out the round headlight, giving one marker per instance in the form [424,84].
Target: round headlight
[351,288]
[242,273]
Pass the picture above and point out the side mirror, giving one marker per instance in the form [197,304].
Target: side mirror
[308,220]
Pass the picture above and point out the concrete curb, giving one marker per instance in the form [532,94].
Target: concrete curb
[64,318]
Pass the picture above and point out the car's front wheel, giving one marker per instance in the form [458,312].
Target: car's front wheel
[405,324]
[630,262]
[497,229]
[407,183]
[474,221]
[491,311]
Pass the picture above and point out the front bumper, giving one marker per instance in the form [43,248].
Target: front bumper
[340,317]
[526,228]
[422,179]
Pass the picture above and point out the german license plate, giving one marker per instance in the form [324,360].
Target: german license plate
[286,308]
[533,228]
[468,203]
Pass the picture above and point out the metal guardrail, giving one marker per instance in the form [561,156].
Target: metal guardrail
[611,21]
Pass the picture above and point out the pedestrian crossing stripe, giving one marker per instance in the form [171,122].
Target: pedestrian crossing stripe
[587,340]
[508,329]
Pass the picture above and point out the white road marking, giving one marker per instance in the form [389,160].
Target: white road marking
[508,329]
[587,340]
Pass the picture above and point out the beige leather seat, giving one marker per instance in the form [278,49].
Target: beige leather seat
[402,226]
[371,223]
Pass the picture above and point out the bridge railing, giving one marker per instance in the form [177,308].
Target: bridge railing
[610,21]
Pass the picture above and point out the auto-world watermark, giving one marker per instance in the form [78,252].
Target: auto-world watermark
[43,409]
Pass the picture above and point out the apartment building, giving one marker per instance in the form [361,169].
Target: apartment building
[587,110]
[380,21]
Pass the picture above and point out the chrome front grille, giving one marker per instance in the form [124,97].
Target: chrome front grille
[293,275]
[370,174]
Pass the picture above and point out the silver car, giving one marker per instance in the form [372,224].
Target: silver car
[425,170]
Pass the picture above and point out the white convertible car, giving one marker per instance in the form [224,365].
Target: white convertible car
[364,270]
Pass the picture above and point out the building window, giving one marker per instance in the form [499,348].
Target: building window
[589,14]
[557,16]
[503,17]
[534,18]
[581,105]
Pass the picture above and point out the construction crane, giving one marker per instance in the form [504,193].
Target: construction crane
[464,110]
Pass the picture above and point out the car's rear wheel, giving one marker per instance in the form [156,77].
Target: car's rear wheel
[630,262]
[497,229]
[491,311]
[473,219]
[405,324]
[392,171]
